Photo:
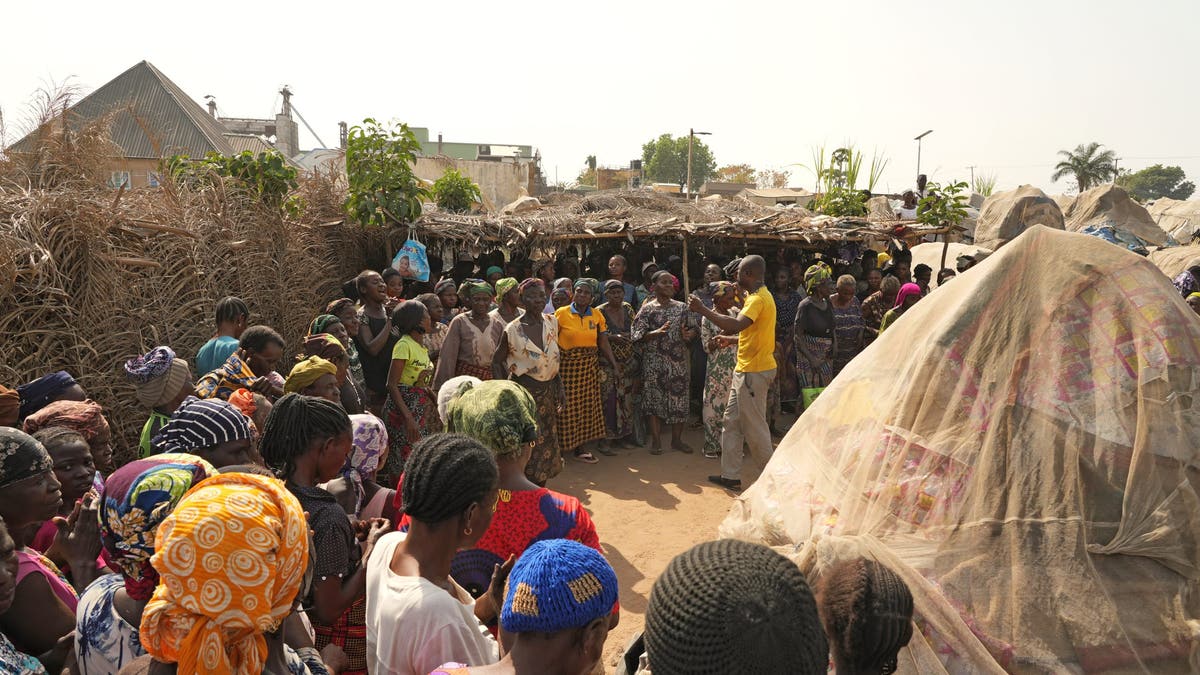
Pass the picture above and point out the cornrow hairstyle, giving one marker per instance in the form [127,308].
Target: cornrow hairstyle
[444,475]
[53,437]
[256,338]
[867,611]
[231,309]
[294,425]
[407,316]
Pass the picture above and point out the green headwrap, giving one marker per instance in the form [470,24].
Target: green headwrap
[503,286]
[814,275]
[500,414]
[472,286]
[591,284]
[322,323]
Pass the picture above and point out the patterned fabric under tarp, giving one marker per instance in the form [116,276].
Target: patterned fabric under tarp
[1023,451]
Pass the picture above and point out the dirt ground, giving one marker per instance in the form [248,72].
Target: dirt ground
[647,510]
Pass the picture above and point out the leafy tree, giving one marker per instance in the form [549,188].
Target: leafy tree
[1157,181]
[732,173]
[1089,165]
[840,201]
[379,165]
[943,205]
[587,177]
[265,177]
[455,192]
[773,178]
[665,160]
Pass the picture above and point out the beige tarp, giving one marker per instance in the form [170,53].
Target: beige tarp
[1180,219]
[1175,259]
[1007,214]
[931,254]
[1109,205]
[1021,447]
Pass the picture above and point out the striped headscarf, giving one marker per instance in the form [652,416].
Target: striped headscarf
[232,558]
[200,424]
[136,498]
[443,286]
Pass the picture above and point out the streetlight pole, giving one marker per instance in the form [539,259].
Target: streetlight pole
[918,140]
[692,133]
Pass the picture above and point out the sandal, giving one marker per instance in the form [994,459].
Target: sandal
[586,457]
[607,451]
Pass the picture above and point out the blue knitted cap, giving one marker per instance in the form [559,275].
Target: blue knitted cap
[556,585]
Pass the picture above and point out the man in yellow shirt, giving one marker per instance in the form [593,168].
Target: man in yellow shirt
[745,418]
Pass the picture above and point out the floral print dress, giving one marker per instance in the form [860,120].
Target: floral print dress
[717,382]
[665,362]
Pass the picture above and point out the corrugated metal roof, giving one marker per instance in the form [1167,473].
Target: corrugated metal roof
[243,142]
[155,119]
[776,193]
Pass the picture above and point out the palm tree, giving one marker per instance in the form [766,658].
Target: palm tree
[1090,165]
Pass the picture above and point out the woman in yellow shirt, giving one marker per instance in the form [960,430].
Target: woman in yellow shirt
[582,337]
[410,412]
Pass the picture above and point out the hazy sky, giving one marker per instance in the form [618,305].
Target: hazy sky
[1004,85]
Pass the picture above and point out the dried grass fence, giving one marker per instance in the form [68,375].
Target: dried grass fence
[90,277]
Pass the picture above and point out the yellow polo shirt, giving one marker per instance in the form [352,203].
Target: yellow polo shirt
[579,330]
[756,344]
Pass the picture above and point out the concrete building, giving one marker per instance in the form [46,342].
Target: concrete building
[724,189]
[778,196]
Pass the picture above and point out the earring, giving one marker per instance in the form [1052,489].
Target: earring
[467,531]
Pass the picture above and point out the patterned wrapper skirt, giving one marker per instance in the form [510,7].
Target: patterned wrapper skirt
[808,376]
[464,368]
[350,633]
[583,419]
[545,462]
[423,406]
[616,393]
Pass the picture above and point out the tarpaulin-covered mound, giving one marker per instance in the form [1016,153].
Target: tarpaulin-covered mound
[1021,447]
[1109,206]
[1180,219]
[1175,259]
[1005,215]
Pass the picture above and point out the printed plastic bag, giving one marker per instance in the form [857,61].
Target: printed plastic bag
[411,261]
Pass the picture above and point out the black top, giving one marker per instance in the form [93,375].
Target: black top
[375,368]
[814,321]
[335,549]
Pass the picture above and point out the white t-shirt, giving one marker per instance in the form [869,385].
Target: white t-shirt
[414,626]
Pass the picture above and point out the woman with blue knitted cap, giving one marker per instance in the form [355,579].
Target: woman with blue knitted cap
[210,428]
[556,612]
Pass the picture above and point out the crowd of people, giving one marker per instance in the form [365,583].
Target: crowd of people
[383,506]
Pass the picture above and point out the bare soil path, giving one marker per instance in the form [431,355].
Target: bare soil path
[648,509]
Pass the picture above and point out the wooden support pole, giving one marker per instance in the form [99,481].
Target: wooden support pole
[687,290]
[945,250]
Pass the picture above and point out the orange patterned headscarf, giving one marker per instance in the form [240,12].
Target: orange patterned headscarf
[231,560]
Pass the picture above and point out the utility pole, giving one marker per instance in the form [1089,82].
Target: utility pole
[918,140]
[972,168]
[692,133]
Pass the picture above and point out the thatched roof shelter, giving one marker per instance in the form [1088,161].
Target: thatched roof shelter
[637,215]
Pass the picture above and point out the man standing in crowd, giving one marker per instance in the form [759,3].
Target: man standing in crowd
[746,413]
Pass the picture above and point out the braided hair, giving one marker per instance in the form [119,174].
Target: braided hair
[53,437]
[444,475]
[294,425]
[867,611]
[230,309]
